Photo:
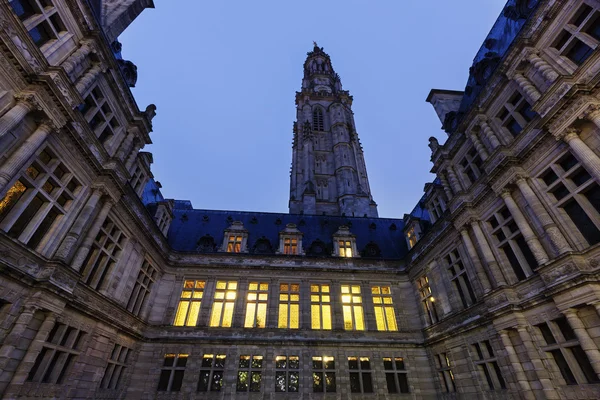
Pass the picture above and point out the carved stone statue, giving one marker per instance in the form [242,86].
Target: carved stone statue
[434,145]
[150,112]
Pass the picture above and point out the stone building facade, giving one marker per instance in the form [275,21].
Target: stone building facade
[488,289]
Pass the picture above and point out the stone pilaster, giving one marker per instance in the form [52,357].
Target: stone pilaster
[554,234]
[77,57]
[583,153]
[17,159]
[542,66]
[133,155]
[534,244]
[488,255]
[16,114]
[593,114]
[516,366]
[85,247]
[483,154]
[239,311]
[305,306]
[456,187]
[479,271]
[446,186]
[586,342]
[125,145]
[530,91]
[540,369]
[87,80]
[66,248]
[488,132]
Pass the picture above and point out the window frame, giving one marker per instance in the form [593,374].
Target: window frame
[252,371]
[257,305]
[325,373]
[320,300]
[352,307]
[289,305]
[397,371]
[487,365]
[459,278]
[190,303]
[224,318]
[212,370]
[118,362]
[288,372]
[385,318]
[362,374]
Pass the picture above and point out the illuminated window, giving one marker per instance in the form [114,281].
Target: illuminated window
[224,303]
[211,373]
[318,124]
[189,303]
[352,307]
[45,192]
[395,375]
[360,375]
[249,374]
[411,236]
[287,374]
[289,306]
[580,36]
[290,246]
[384,308]
[345,248]
[323,374]
[487,365]
[142,288]
[515,114]
[57,355]
[171,375]
[445,372]
[100,116]
[460,279]
[41,20]
[104,254]
[234,244]
[427,300]
[256,305]
[320,306]
[117,363]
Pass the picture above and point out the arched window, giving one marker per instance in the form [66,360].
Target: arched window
[318,124]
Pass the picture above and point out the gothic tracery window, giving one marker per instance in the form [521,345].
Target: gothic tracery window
[318,124]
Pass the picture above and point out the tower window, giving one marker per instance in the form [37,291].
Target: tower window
[318,124]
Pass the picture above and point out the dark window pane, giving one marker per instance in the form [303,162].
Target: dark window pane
[294,362]
[584,363]
[255,382]
[177,380]
[367,384]
[41,34]
[317,364]
[24,8]
[280,362]
[365,363]
[353,363]
[23,220]
[220,361]
[546,333]
[582,222]
[565,329]
[478,350]
[593,196]
[400,363]
[329,363]
[460,293]
[256,362]
[354,382]
[514,262]
[317,381]
[38,362]
[526,252]
[593,29]
[403,380]
[581,14]
[203,381]
[280,381]
[163,380]
[499,375]
[43,228]
[561,40]
[579,51]
[391,383]
[513,126]
[242,381]
[217,381]
[469,288]
[330,382]
[293,384]
[563,367]
[580,176]
[526,112]
[549,177]
[567,162]
[387,364]
[207,362]
[487,375]
[560,191]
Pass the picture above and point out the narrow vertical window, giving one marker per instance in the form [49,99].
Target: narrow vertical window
[189,303]
[427,300]
[445,372]
[249,374]
[320,306]
[104,255]
[256,305]
[289,306]
[385,316]
[318,124]
[323,374]
[460,279]
[141,289]
[352,308]
[117,363]
[360,375]
[287,373]
[487,365]
[211,373]
[171,374]
[395,375]
[224,303]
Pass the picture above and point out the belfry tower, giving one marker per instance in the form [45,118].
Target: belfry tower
[328,175]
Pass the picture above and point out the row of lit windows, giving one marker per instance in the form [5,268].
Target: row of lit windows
[287,374]
[188,309]
[290,246]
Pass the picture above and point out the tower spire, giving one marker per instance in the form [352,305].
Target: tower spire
[328,174]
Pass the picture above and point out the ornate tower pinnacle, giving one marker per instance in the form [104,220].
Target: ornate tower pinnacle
[328,174]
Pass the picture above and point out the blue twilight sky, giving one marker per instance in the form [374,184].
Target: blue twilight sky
[223,75]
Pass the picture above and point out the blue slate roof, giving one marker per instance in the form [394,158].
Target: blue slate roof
[189,225]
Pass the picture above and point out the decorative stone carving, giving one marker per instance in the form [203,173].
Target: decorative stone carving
[129,72]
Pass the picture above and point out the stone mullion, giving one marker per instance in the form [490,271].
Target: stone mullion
[67,246]
[517,368]
[530,237]
[368,307]
[529,90]
[337,312]
[17,159]
[541,372]
[586,342]
[14,116]
[482,277]
[583,153]
[488,255]
[305,311]
[548,72]
[87,243]
[208,299]
[34,350]
[554,234]
[273,304]
[239,311]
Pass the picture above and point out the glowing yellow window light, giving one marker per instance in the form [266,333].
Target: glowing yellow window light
[384,308]
[320,307]
[345,248]
[224,303]
[256,305]
[352,308]
[12,197]
[290,246]
[189,303]
[289,306]
[234,244]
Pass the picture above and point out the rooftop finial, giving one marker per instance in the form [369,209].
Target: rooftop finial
[315,43]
